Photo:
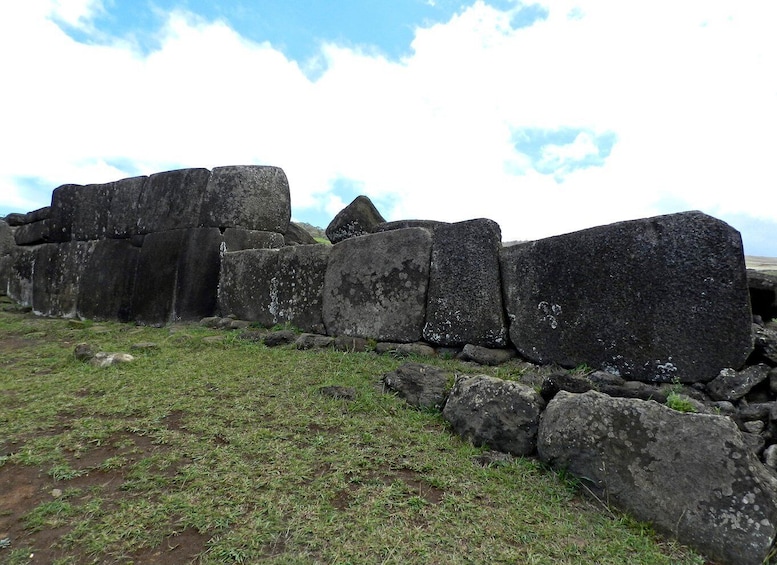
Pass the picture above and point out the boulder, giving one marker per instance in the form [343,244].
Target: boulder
[485,355]
[375,286]
[63,206]
[655,463]
[106,288]
[764,345]
[171,200]
[464,305]
[313,341]
[421,386]
[296,235]
[32,233]
[405,349]
[237,239]
[177,276]
[658,299]
[732,385]
[488,411]
[276,286]
[360,217]
[251,197]
[16,219]
[605,383]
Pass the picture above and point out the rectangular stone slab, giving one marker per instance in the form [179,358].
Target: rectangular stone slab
[376,285]
[656,299]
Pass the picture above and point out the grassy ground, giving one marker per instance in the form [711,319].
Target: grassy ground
[226,452]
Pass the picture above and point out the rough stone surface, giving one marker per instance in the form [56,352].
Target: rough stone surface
[106,288]
[405,349]
[486,355]
[63,205]
[276,286]
[657,299]
[350,344]
[247,196]
[92,212]
[763,294]
[20,275]
[764,344]
[314,341]
[172,200]
[125,202]
[32,233]
[7,242]
[654,463]
[422,386]
[296,235]
[280,337]
[57,275]
[360,217]
[238,239]
[401,224]
[733,385]
[465,291]
[503,415]
[177,276]
[376,285]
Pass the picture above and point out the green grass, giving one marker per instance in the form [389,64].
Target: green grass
[232,441]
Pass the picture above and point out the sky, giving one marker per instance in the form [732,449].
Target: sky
[547,117]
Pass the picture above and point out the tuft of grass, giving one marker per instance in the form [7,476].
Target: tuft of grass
[679,402]
[233,444]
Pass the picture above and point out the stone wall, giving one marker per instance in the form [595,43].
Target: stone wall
[639,305]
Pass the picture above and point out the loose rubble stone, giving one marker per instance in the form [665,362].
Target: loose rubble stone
[732,385]
[422,386]
[486,355]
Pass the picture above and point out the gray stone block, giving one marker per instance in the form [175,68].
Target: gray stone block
[92,212]
[251,197]
[125,207]
[237,239]
[275,286]
[172,200]
[465,291]
[177,276]
[656,299]
[63,207]
[7,242]
[20,275]
[376,286]
[105,292]
[57,276]
[692,476]
[32,233]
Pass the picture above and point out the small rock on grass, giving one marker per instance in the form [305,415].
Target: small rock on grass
[338,392]
[83,352]
[102,359]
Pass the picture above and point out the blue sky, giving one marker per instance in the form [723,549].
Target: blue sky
[546,116]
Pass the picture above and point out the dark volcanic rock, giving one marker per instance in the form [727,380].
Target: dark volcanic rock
[238,239]
[249,196]
[657,299]
[360,217]
[171,200]
[296,235]
[422,386]
[375,286]
[63,208]
[108,280]
[465,292]
[655,463]
[503,415]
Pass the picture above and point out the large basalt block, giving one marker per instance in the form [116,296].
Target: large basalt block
[238,239]
[657,299]
[376,285]
[250,196]
[125,203]
[20,275]
[465,291]
[690,475]
[276,286]
[172,200]
[92,211]
[57,275]
[32,233]
[63,208]
[177,276]
[105,292]
[7,242]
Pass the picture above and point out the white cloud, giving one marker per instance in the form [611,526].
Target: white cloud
[688,89]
